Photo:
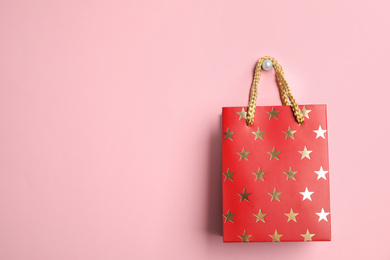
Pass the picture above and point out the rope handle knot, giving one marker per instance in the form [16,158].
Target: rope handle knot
[285,93]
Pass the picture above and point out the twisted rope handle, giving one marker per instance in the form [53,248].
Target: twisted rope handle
[285,93]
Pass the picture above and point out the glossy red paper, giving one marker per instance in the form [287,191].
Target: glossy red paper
[304,189]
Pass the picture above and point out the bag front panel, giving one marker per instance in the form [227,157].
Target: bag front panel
[284,170]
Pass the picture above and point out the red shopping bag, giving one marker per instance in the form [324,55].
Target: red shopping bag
[275,169]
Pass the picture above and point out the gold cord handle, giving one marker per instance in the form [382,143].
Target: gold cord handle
[285,93]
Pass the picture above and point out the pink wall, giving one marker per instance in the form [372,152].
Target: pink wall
[110,122]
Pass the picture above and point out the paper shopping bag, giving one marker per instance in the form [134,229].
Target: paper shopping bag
[275,169]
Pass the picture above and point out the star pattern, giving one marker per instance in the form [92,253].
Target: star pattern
[320,132]
[274,154]
[276,237]
[244,195]
[306,194]
[259,134]
[245,237]
[275,195]
[242,114]
[291,215]
[229,216]
[259,174]
[244,154]
[260,216]
[228,134]
[321,173]
[307,236]
[290,174]
[323,215]
[273,113]
[282,136]
[228,175]
[305,112]
[290,133]
[305,153]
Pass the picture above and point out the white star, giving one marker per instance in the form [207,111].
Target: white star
[321,173]
[323,215]
[320,132]
[306,194]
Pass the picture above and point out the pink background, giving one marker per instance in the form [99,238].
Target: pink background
[110,141]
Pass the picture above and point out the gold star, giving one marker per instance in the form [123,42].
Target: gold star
[320,132]
[242,114]
[308,236]
[228,134]
[260,216]
[229,175]
[323,215]
[306,194]
[259,174]
[229,216]
[275,195]
[245,237]
[273,113]
[244,154]
[276,237]
[258,134]
[244,195]
[305,112]
[290,174]
[291,215]
[305,153]
[274,154]
[289,133]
